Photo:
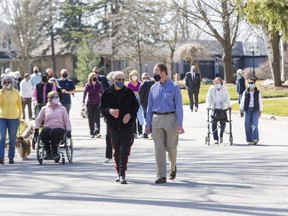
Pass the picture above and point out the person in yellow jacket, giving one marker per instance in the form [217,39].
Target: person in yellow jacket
[10,116]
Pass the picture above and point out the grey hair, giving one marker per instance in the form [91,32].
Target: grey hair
[116,74]
[7,78]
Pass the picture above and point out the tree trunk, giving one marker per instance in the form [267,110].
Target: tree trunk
[228,64]
[275,62]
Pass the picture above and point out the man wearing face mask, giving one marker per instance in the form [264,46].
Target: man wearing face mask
[193,82]
[67,87]
[94,90]
[218,100]
[40,92]
[119,106]
[251,105]
[35,77]
[165,117]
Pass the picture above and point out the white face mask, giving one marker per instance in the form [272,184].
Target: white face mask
[8,86]
[55,100]
[134,78]
[217,85]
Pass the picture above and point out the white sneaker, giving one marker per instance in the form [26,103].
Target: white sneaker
[107,160]
[98,135]
[216,142]
[117,179]
[221,139]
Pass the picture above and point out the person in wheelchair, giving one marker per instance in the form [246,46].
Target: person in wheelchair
[218,100]
[56,123]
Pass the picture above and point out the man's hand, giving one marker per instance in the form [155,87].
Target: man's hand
[241,113]
[68,134]
[181,130]
[126,118]
[114,112]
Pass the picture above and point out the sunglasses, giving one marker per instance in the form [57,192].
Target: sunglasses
[120,80]
[55,97]
[250,82]
[6,82]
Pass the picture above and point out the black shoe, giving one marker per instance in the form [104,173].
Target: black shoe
[161,180]
[173,174]
[1,160]
[48,156]
[122,180]
[11,161]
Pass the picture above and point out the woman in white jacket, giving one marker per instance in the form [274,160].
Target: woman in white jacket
[218,99]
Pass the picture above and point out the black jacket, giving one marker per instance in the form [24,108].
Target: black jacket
[144,92]
[39,88]
[124,100]
[256,99]
[191,84]
[241,85]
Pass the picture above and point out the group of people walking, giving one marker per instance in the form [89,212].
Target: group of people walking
[153,106]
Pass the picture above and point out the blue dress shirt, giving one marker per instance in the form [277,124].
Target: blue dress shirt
[165,97]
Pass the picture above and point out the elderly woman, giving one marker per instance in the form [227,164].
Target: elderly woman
[10,116]
[56,122]
[94,90]
[218,99]
[134,85]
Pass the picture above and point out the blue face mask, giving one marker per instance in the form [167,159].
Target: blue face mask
[217,86]
[251,86]
[119,84]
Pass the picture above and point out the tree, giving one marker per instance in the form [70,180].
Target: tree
[86,60]
[272,16]
[25,18]
[209,16]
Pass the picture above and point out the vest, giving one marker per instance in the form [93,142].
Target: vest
[256,99]
[39,88]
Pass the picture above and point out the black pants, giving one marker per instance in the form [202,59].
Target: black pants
[215,130]
[93,118]
[193,98]
[122,140]
[108,143]
[51,138]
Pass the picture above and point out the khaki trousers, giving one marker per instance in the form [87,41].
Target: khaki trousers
[165,137]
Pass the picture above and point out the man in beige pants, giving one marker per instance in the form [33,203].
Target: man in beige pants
[165,116]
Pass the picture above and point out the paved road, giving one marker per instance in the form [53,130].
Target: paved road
[211,180]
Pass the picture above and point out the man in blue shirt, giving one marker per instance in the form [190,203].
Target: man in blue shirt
[67,87]
[165,115]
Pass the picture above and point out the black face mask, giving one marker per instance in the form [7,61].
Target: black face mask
[65,75]
[35,71]
[94,79]
[44,79]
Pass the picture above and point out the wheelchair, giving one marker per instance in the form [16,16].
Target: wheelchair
[209,126]
[65,143]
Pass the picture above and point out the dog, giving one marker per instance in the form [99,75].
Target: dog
[23,147]
[84,112]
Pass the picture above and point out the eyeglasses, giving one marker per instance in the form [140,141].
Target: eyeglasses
[52,80]
[120,80]
[6,82]
[250,82]
[55,97]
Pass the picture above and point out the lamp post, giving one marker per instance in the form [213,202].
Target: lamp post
[253,50]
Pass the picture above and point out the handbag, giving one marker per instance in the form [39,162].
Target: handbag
[219,115]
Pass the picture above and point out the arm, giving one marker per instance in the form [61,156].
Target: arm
[40,118]
[34,95]
[66,119]
[149,109]
[85,93]
[242,102]
[179,106]
[228,102]
[19,105]
[208,99]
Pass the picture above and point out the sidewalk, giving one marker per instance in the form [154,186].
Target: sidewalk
[211,180]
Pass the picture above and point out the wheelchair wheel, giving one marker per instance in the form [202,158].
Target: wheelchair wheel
[69,149]
[231,140]
[63,160]
[207,140]
[39,151]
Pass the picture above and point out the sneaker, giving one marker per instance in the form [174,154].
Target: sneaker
[196,109]
[117,179]
[216,142]
[11,161]
[92,136]
[1,160]
[161,180]
[173,174]
[145,136]
[107,160]
[221,139]
[250,143]
[98,135]
[122,180]
[255,142]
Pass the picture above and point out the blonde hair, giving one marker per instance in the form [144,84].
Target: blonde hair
[133,73]
[218,79]
[50,94]
[91,76]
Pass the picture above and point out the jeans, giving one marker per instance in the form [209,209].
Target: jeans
[251,124]
[12,126]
